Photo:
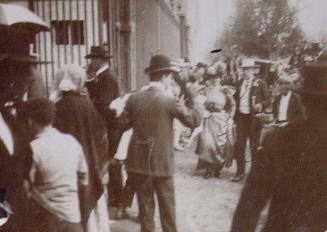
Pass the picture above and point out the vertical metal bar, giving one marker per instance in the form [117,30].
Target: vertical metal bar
[57,31]
[93,22]
[100,19]
[64,20]
[109,28]
[51,41]
[38,41]
[86,29]
[71,27]
[45,52]
[78,33]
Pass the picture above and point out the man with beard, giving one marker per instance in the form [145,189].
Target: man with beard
[103,89]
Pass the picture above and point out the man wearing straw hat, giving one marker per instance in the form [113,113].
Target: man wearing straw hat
[251,99]
[150,161]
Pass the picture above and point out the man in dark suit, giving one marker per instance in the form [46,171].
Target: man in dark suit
[291,171]
[288,106]
[103,89]
[252,98]
[150,161]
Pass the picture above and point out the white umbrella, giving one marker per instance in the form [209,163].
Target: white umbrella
[20,18]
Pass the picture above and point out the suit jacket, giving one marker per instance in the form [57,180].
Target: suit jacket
[291,173]
[103,89]
[150,113]
[295,110]
[259,90]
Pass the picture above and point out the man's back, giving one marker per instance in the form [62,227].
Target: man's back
[150,113]
[58,158]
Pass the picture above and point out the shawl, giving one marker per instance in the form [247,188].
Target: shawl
[77,116]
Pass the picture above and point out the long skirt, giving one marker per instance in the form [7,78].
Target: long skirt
[215,141]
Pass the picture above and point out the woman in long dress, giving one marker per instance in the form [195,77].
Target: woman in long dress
[216,141]
[77,116]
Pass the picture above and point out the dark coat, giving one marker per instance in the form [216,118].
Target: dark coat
[291,173]
[77,116]
[103,89]
[13,171]
[295,110]
[259,90]
[151,148]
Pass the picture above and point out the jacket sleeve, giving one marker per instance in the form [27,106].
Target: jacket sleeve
[300,110]
[265,101]
[125,121]
[189,117]
[255,194]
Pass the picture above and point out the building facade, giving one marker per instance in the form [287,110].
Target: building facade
[132,30]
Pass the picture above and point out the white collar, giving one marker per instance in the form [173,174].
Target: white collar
[158,85]
[47,131]
[102,69]
[6,135]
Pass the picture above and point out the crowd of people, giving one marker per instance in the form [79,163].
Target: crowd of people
[62,158]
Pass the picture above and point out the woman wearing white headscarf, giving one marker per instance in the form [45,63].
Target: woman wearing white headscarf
[77,116]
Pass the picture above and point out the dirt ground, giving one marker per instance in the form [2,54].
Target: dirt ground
[202,205]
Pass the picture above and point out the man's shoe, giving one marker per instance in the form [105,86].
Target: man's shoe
[237,178]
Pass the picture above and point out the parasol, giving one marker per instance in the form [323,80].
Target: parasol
[17,18]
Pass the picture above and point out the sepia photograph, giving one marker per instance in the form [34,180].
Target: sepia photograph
[163,115]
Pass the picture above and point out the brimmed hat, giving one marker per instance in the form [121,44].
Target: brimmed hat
[314,79]
[98,51]
[20,54]
[249,63]
[160,63]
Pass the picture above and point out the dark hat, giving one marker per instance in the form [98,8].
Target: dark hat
[21,54]
[160,63]
[40,110]
[314,79]
[98,51]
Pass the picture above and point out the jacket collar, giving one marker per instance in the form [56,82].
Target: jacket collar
[157,85]
[102,69]
[99,72]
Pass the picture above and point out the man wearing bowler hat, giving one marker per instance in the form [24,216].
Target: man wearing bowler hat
[251,99]
[150,161]
[297,188]
[103,89]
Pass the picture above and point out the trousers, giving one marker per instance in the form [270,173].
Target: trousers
[146,187]
[246,128]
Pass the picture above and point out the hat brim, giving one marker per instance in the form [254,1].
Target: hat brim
[251,66]
[89,56]
[29,60]
[166,69]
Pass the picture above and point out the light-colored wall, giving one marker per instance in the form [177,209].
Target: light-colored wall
[157,32]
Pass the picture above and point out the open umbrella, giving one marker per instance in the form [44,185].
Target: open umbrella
[18,18]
